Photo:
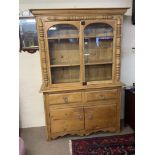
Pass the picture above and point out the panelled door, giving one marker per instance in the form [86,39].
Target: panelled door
[66,120]
[100,116]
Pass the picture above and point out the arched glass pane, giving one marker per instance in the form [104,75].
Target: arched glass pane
[63,43]
[98,30]
[62,31]
[98,51]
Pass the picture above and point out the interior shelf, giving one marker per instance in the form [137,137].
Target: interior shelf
[98,63]
[85,37]
[64,65]
[63,37]
[99,36]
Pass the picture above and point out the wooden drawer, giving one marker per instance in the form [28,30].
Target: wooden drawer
[68,119]
[65,98]
[101,95]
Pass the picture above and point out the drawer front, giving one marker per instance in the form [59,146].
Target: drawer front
[68,119]
[65,98]
[101,95]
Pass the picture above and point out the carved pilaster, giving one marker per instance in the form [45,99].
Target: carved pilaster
[118,49]
[42,52]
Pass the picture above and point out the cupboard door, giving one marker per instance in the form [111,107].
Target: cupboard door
[98,51]
[68,119]
[63,51]
[100,117]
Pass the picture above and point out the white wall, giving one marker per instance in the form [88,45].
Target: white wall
[29,4]
[31,101]
[127,56]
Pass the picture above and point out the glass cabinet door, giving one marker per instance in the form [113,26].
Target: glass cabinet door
[98,52]
[64,55]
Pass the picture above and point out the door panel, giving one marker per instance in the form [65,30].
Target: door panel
[68,119]
[100,117]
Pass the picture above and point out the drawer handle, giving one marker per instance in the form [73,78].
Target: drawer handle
[90,116]
[102,96]
[80,117]
[66,99]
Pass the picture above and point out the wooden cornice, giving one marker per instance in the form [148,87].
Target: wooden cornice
[79,11]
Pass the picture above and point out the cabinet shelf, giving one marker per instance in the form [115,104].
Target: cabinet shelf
[109,37]
[63,37]
[98,63]
[64,65]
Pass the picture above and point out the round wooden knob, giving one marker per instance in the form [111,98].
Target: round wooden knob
[80,117]
[66,99]
[90,116]
[103,97]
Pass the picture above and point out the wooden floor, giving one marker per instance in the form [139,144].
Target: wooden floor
[36,144]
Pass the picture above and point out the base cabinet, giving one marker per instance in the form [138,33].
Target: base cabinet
[82,112]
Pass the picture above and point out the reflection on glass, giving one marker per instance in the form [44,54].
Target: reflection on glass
[98,30]
[28,32]
[97,50]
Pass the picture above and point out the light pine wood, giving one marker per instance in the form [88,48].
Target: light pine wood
[43,58]
[101,95]
[64,65]
[81,44]
[65,98]
[60,53]
[47,117]
[101,54]
[66,120]
[98,63]
[118,48]
[65,74]
[60,134]
[100,116]
[79,13]
[118,109]
[74,87]
[98,72]
[80,69]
